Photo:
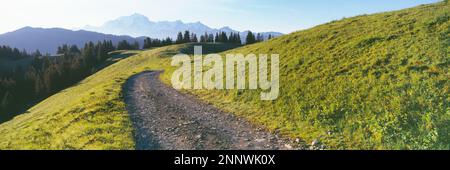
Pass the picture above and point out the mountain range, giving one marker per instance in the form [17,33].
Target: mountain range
[138,25]
[47,40]
[130,28]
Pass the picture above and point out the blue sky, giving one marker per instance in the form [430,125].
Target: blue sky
[258,15]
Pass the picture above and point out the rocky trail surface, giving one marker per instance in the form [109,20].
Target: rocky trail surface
[165,119]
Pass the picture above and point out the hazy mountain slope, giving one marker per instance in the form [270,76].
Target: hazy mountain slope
[48,40]
[139,25]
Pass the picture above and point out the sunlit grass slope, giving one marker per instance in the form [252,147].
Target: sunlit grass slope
[368,82]
[91,114]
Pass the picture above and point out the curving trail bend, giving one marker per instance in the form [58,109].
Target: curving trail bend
[165,119]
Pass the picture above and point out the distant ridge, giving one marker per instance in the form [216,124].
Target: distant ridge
[47,40]
[130,28]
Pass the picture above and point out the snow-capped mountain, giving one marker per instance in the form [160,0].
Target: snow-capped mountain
[137,25]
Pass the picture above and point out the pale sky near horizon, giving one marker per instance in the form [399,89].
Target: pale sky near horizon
[259,15]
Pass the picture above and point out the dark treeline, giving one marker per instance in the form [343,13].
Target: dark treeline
[220,37]
[252,38]
[47,75]
[8,53]
[125,45]
[151,43]
[188,37]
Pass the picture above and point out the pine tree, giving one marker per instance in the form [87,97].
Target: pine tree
[205,37]
[180,38]
[168,41]
[216,39]
[238,41]
[231,38]
[250,38]
[147,43]
[124,45]
[136,46]
[223,37]
[187,37]
[210,38]
[234,38]
[194,38]
[75,50]
[259,37]
[100,53]
[202,39]
[37,53]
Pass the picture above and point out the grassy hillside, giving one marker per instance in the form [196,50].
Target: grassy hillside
[368,82]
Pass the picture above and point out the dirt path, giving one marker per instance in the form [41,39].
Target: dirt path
[165,119]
